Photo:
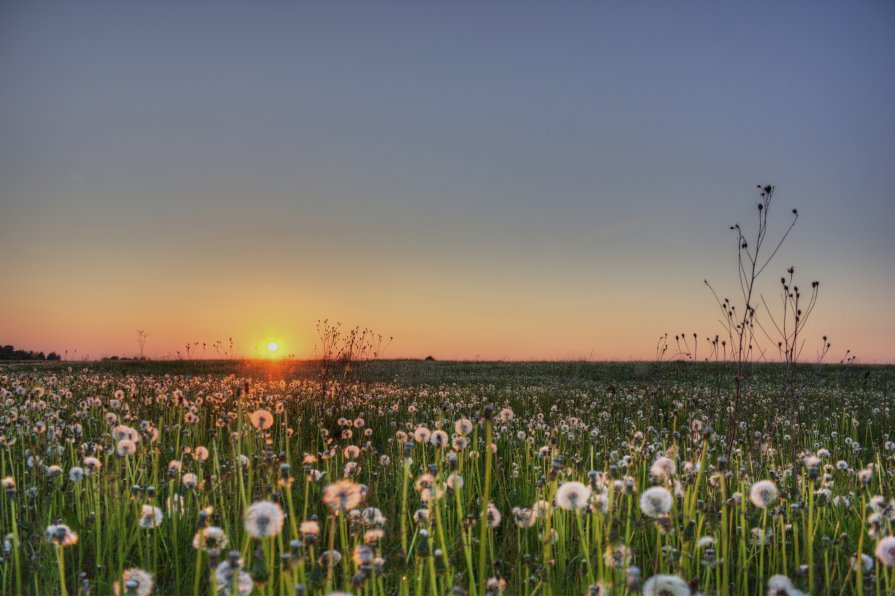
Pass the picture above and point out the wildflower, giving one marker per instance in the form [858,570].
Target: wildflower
[866,475]
[494,516]
[885,551]
[263,519]
[135,582]
[523,518]
[601,502]
[663,467]
[884,509]
[572,496]
[189,480]
[330,558]
[780,585]
[122,431]
[618,556]
[541,509]
[706,541]
[352,451]
[309,530]
[496,585]
[455,482]
[200,454]
[421,516]
[126,447]
[439,438]
[632,578]
[210,538]
[422,434]
[342,495]
[655,501]
[763,493]
[665,585]
[840,501]
[150,517]
[866,563]
[463,426]
[373,517]
[427,488]
[261,419]
[362,555]
[61,535]
[231,579]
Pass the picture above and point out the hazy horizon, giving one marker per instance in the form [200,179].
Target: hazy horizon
[479,181]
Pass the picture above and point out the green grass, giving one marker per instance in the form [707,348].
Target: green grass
[601,424]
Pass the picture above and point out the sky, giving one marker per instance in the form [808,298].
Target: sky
[479,180]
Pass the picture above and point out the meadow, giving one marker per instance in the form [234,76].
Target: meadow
[411,477]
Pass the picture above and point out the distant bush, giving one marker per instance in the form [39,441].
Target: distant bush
[11,353]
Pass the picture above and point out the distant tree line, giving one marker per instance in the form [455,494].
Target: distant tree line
[11,353]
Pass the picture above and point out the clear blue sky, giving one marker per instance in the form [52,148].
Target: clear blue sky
[530,180]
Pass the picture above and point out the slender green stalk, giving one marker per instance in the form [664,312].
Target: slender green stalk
[486,501]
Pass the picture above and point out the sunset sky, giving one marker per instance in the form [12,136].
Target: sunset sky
[477,179]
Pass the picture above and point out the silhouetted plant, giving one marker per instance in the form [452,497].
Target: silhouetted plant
[141,341]
[740,323]
[791,323]
[339,352]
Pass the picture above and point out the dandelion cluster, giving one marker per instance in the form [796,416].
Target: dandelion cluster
[506,479]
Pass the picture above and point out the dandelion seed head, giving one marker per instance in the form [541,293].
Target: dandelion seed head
[763,493]
[665,585]
[261,419]
[572,496]
[656,501]
[126,447]
[61,535]
[264,519]
[210,538]
[134,582]
[885,551]
[150,517]
[342,495]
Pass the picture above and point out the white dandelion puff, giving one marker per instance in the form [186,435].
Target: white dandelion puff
[572,496]
[264,519]
[655,501]
[763,493]
[665,585]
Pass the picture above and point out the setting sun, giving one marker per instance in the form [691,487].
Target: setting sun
[272,346]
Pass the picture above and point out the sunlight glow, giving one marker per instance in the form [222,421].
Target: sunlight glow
[272,346]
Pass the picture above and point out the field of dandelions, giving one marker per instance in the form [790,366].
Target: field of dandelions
[441,478]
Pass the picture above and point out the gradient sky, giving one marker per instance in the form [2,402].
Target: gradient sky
[477,179]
